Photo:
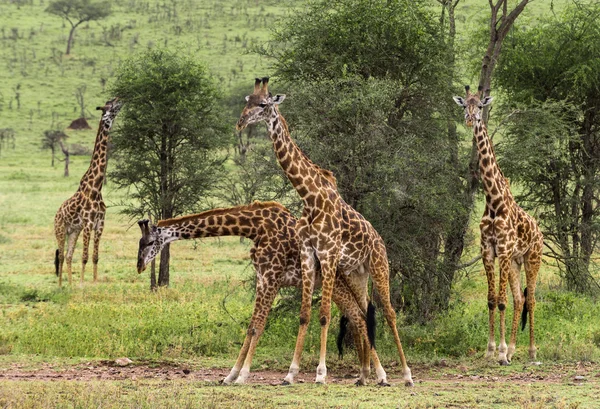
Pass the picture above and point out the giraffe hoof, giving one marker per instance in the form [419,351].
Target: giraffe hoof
[285,383]
[359,382]
[383,384]
[409,383]
[503,362]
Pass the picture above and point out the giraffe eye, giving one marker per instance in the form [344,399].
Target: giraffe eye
[262,105]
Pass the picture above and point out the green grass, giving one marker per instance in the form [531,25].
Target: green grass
[192,394]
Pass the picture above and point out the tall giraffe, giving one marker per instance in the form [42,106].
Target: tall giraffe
[331,233]
[508,233]
[85,210]
[276,258]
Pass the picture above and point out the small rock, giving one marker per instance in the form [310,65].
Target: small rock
[537,363]
[579,378]
[495,378]
[123,361]
[413,394]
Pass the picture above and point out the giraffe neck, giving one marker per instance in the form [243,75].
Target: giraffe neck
[494,184]
[244,221]
[92,180]
[305,176]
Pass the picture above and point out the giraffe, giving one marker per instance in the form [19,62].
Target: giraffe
[507,233]
[276,258]
[331,233]
[85,210]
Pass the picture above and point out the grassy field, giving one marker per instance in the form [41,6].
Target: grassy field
[199,322]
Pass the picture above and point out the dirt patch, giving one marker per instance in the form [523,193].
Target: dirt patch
[109,371]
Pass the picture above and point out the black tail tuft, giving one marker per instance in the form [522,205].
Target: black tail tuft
[56,262]
[371,324]
[524,313]
[341,335]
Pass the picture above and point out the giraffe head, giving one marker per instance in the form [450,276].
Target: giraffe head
[473,105]
[110,111]
[260,105]
[152,241]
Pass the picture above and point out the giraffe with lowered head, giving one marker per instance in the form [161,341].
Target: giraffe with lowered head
[507,233]
[85,210]
[331,233]
[276,258]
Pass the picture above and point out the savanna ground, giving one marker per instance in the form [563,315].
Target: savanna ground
[58,346]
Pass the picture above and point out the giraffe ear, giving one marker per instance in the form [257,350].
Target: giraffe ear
[486,101]
[247,98]
[460,101]
[278,99]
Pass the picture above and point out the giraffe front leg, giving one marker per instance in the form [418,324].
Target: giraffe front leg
[515,286]
[60,233]
[87,232]
[308,283]
[264,301]
[97,237]
[505,264]
[328,270]
[487,255]
[72,241]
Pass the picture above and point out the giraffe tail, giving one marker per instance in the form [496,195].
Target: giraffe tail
[524,313]
[341,335]
[371,324]
[56,262]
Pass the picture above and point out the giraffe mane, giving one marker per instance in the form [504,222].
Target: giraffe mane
[256,205]
[326,173]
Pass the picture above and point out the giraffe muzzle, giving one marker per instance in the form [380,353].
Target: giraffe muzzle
[241,124]
[140,266]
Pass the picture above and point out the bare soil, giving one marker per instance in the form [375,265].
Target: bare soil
[110,371]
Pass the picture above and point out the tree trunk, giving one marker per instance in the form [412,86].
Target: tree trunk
[163,272]
[70,40]
[153,275]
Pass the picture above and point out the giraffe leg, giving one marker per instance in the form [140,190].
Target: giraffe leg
[308,283]
[505,262]
[87,233]
[532,266]
[59,231]
[357,282]
[515,286]
[487,255]
[262,307]
[344,299]
[95,256]
[380,274]
[72,241]
[328,271]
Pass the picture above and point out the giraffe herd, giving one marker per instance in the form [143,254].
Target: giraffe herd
[331,245]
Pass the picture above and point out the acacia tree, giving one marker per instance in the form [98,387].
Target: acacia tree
[77,12]
[51,140]
[166,147]
[552,75]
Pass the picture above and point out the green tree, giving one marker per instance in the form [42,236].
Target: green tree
[368,85]
[551,73]
[171,128]
[77,12]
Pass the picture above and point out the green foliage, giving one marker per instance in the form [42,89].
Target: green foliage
[551,72]
[369,83]
[169,133]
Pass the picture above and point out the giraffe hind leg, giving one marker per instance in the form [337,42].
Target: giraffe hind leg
[379,270]
[515,286]
[532,266]
[59,255]
[72,241]
[87,233]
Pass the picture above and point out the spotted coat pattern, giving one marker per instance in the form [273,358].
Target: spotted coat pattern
[276,258]
[331,233]
[85,210]
[507,233]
